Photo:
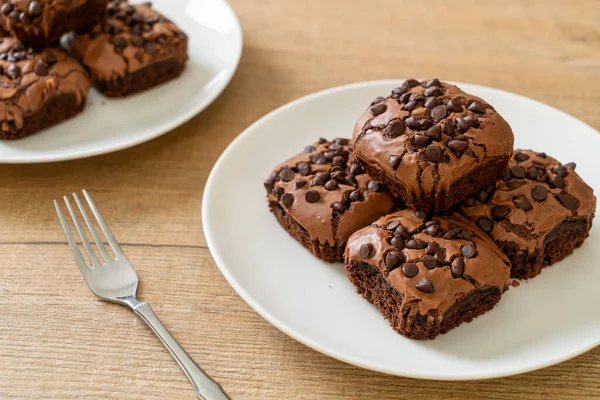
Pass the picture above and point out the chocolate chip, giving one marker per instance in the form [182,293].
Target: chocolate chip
[24,18]
[431,230]
[454,105]
[410,83]
[151,48]
[378,99]
[14,16]
[351,180]
[416,244]
[520,157]
[312,196]
[269,185]
[398,242]
[137,41]
[287,200]
[394,129]
[432,91]
[421,140]
[568,201]
[331,185]
[432,82]
[394,162]
[317,181]
[410,270]
[119,42]
[13,71]
[462,124]
[435,133]
[522,203]
[438,113]
[365,251]
[571,165]
[429,261]
[6,9]
[378,109]
[425,286]
[506,175]
[339,206]
[322,141]
[499,212]
[393,259]
[329,155]
[299,183]
[41,68]
[472,121]
[338,160]
[303,168]
[421,214]
[411,105]
[403,232]
[416,97]
[286,174]
[468,250]
[278,191]
[539,193]
[355,195]
[457,146]
[392,225]
[476,107]
[405,98]
[399,91]
[338,175]
[319,159]
[517,171]
[448,127]
[433,153]
[484,196]
[485,224]
[425,124]
[432,102]
[541,154]
[35,8]
[560,170]
[458,267]
[412,122]
[557,182]
[432,248]
[355,169]
[532,173]
[373,186]
[51,59]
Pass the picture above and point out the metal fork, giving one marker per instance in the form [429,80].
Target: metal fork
[115,280]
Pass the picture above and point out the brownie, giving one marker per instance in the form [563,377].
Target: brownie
[39,88]
[432,144]
[42,22]
[426,274]
[134,49]
[538,213]
[322,196]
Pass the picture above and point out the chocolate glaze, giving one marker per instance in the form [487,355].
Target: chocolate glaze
[489,267]
[318,217]
[375,141]
[131,38]
[25,92]
[528,227]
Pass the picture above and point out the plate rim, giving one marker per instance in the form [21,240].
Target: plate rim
[291,332]
[164,129]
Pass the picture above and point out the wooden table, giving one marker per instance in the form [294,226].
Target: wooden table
[58,341]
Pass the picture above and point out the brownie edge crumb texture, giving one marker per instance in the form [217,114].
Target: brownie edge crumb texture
[321,196]
[425,274]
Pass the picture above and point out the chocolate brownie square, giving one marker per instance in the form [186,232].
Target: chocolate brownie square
[321,197]
[39,88]
[538,213]
[42,22]
[426,274]
[432,144]
[134,49]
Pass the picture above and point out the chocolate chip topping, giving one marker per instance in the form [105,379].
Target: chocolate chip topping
[378,109]
[410,270]
[425,286]
[287,200]
[366,250]
[312,196]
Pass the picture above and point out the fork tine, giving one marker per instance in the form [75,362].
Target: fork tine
[92,230]
[83,267]
[105,229]
[82,235]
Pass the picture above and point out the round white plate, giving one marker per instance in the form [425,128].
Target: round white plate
[106,125]
[548,319]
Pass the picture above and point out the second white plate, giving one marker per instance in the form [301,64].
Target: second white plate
[106,125]
[546,320]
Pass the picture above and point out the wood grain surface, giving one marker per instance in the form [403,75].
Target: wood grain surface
[58,341]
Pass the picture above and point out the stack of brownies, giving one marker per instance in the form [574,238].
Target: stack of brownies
[430,208]
[123,48]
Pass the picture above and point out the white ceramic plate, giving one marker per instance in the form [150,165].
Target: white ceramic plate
[106,125]
[544,321]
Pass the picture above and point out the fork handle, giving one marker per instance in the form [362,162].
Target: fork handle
[204,386]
